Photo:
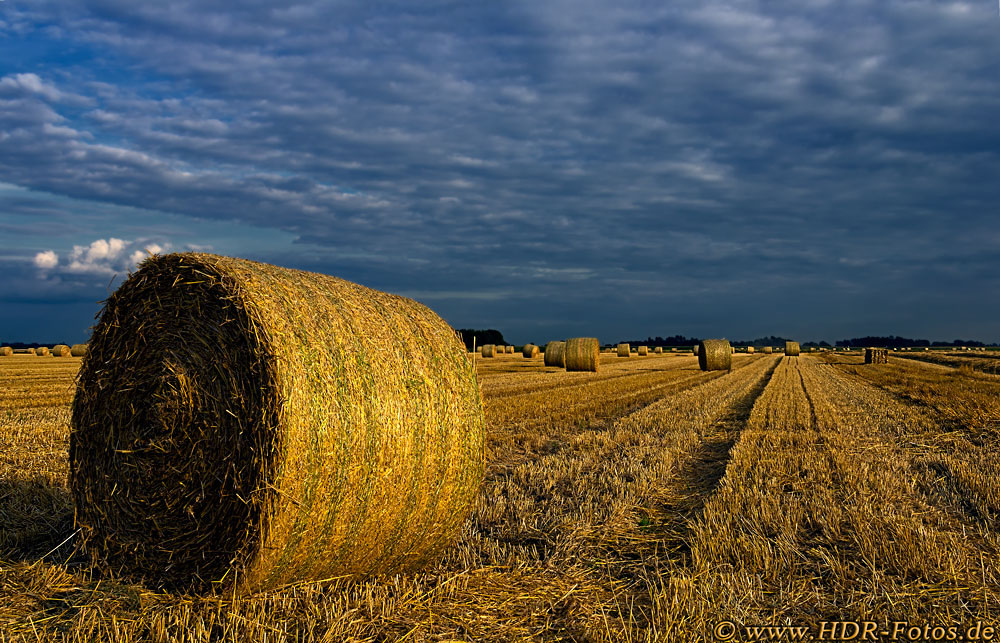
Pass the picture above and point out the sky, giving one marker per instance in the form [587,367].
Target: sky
[809,169]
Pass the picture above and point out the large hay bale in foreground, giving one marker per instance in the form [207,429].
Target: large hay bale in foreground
[6,351]
[212,445]
[78,350]
[624,350]
[61,350]
[644,350]
[876,356]
[767,350]
[715,355]
[555,354]
[792,349]
[582,354]
[489,350]
[42,351]
[530,350]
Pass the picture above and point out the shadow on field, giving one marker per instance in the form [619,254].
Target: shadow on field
[36,521]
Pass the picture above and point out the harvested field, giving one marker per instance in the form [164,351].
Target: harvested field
[646,502]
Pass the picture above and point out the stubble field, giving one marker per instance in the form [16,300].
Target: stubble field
[647,502]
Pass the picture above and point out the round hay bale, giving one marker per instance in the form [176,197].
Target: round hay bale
[767,350]
[510,350]
[750,349]
[582,354]
[6,351]
[673,350]
[624,350]
[61,350]
[715,355]
[643,350]
[555,354]
[876,356]
[530,350]
[792,349]
[42,351]
[659,349]
[212,447]
[489,350]
[694,349]
[78,350]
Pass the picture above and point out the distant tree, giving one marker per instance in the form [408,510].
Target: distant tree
[479,337]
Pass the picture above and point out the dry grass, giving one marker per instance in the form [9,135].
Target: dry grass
[642,503]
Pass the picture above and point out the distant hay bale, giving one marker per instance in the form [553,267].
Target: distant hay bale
[530,350]
[750,349]
[78,350]
[499,349]
[659,349]
[489,350]
[876,356]
[582,354]
[673,350]
[42,351]
[624,350]
[555,354]
[715,355]
[643,350]
[510,350]
[212,447]
[62,350]
[6,351]
[767,350]
[792,349]
[694,349]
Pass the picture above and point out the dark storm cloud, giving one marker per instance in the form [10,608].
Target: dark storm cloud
[486,156]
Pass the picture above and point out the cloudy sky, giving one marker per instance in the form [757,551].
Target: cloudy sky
[807,168]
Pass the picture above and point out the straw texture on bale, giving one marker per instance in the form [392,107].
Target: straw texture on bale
[767,350]
[624,350]
[555,354]
[644,350]
[659,349]
[61,350]
[530,350]
[750,349]
[792,349]
[582,354]
[715,355]
[876,356]
[42,351]
[211,445]
[489,350]
[6,351]
[78,350]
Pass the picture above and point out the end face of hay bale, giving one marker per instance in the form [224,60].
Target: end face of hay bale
[624,350]
[263,462]
[530,350]
[555,354]
[582,354]
[61,350]
[792,349]
[489,350]
[715,355]
[78,350]
[643,350]
[42,351]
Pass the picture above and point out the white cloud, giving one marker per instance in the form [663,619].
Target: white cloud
[102,257]
[46,260]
